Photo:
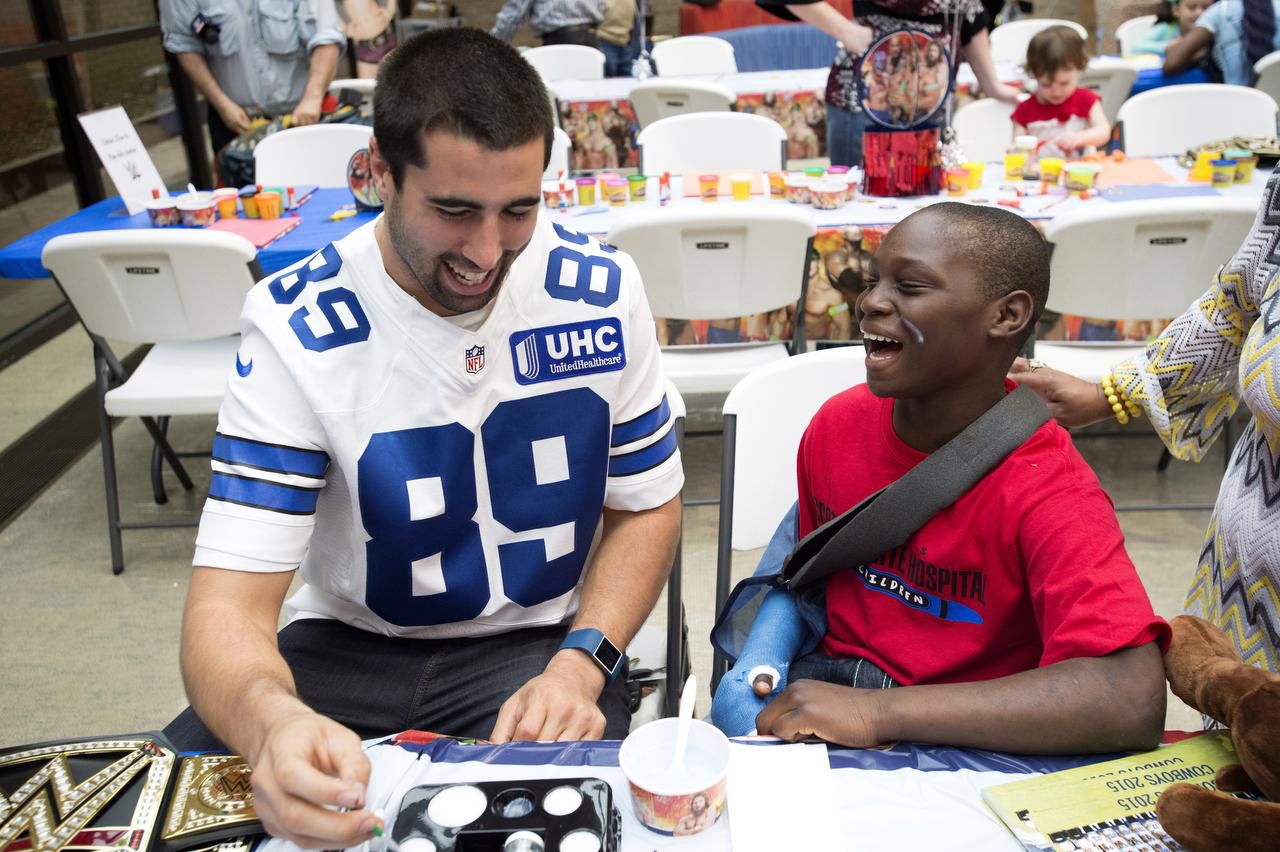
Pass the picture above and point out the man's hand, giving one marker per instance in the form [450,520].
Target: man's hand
[837,714]
[233,116]
[1071,401]
[306,767]
[559,704]
[307,111]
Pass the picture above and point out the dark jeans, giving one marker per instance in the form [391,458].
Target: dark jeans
[378,685]
[846,671]
[571,35]
[219,133]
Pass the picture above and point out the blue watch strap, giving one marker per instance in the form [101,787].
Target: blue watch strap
[599,648]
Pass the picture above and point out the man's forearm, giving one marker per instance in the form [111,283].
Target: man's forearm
[629,569]
[323,67]
[1086,705]
[236,680]
[197,70]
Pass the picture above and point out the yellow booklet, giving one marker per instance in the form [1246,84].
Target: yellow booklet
[1109,805]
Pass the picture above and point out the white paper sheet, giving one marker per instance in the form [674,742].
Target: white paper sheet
[123,155]
[782,796]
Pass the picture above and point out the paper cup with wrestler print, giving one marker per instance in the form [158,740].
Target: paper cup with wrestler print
[676,802]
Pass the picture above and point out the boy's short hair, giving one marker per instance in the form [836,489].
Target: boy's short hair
[1053,49]
[1007,253]
[464,81]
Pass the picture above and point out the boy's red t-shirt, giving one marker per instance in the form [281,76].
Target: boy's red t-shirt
[1026,569]
[1030,111]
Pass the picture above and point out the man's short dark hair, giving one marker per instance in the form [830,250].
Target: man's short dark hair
[1005,251]
[464,81]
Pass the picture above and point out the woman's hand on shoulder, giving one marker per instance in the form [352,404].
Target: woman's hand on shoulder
[1071,401]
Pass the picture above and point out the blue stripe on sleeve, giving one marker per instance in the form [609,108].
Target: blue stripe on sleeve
[644,459]
[261,494]
[643,426]
[273,457]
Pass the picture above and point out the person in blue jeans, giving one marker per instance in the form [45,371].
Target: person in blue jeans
[1239,33]
[846,120]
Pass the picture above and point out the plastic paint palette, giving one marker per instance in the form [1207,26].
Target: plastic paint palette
[543,815]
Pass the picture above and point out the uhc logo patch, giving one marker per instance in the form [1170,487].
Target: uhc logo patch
[565,351]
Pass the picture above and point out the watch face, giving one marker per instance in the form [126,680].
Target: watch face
[608,655]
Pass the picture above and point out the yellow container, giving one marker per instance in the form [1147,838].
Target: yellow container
[957,180]
[1203,169]
[975,170]
[636,186]
[1014,163]
[1050,169]
[741,185]
[1244,168]
[586,191]
[1224,172]
[616,192]
[227,204]
[777,184]
[1080,177]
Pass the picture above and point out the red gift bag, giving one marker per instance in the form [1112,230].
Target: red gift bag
[901,162]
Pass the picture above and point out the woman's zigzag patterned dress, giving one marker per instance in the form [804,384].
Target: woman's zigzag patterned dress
[1226,348]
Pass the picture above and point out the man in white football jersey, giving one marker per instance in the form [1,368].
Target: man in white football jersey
[453,421]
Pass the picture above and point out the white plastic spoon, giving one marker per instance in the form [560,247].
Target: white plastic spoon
[687,698]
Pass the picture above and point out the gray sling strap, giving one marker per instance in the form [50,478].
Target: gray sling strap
[887,518]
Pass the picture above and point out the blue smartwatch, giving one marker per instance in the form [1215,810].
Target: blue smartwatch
[599,648]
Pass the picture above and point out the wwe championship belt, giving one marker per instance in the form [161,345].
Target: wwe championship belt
[129,792]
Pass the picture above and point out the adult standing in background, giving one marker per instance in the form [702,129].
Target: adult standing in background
[619,34]
[1240,32]
[254,57]
[553,21]
[846,120]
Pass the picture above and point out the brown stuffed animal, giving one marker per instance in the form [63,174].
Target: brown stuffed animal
[1207,673]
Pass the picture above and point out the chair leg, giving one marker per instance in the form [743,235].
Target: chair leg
[675,637]
[157,469]
[109,469]
[1165,458]
[162,443]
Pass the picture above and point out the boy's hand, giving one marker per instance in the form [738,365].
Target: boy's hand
[837,714]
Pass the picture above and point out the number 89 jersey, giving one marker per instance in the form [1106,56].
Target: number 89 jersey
[433,481]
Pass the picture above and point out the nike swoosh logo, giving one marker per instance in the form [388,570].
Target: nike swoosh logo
[243,369]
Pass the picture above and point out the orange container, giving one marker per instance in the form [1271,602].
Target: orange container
[778,184]
[709,186]
[957,180]
[269,205]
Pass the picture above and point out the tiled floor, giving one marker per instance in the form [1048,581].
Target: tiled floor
[88,653]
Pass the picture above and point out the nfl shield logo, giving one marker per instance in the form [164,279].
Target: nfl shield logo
[475,359]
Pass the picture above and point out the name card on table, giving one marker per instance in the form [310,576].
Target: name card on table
[123,155]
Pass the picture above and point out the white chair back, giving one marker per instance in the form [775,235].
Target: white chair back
[559,162]
[1009,41]
[1266,72]
[1112,78]
[363,85]
[772,407]
[1174,118]
[1142,259]
[152,286]
[694,54]
[661,98]
[566,62]
[712,141]
[700,263]
[315,154]
[984,129]
[1132,31]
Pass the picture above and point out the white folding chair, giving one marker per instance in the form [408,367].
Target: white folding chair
[700,263]
[765,416]
[670,653]
[1009,41]
[316,154]
[661,98]
[712,141]
[363,85]
[180,290]
[694,54]
[1132,31]
[1112,78]
[1174,118]
[566,62]
[1266,74]
[984,129]
[561,146]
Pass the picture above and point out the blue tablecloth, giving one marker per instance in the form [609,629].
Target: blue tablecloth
[21,258]
[1154,78]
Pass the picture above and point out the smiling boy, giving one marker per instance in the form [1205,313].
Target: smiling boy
[1013,619]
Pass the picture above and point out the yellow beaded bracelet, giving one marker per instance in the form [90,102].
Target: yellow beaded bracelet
[1123,407]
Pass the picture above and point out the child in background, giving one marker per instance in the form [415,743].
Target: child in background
[1173,22]
[1061,111]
